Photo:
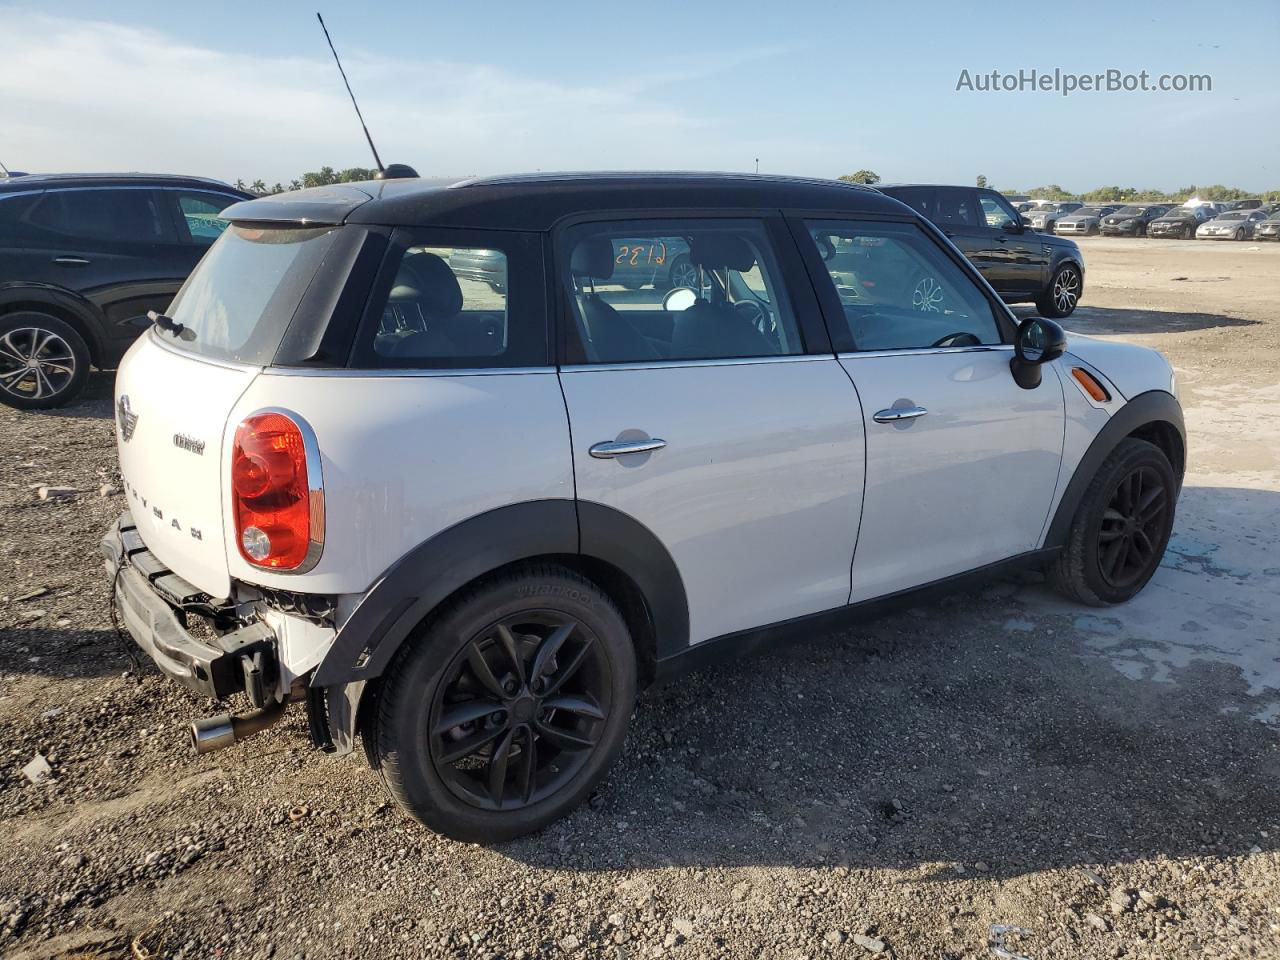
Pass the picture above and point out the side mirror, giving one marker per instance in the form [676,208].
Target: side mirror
[679,298]
[1017,225]
[1039,341]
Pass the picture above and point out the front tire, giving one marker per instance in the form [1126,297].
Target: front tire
[1121,527]
[43,361]
[509,707]
[1063,294]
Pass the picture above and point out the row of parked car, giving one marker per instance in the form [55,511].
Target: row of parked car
[1201,220]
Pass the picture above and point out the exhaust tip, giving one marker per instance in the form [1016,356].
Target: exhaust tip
[212,733]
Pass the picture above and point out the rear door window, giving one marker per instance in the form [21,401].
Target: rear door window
[457,300]
[123,214]
[678,290]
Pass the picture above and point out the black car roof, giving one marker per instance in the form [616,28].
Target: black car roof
[537,201]
[32,181]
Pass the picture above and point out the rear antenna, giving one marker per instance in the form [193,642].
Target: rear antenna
[376,159]
[5,169]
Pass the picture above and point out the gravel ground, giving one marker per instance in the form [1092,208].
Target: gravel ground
[1104,780]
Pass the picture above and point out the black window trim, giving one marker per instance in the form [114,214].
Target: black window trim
[829,300]
[525,270]
[797,285]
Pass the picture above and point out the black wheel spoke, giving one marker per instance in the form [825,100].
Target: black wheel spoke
[461,749]
[578,705]
[457,714]
[497,770]
[510,645]
[565,739]
[1151,505]
[1142,544]
[548,650]
[1111,556]
[528,765]
[568,669]
[480,667]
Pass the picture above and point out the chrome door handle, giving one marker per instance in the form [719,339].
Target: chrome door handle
[71,261]
[620,448]
[894,414]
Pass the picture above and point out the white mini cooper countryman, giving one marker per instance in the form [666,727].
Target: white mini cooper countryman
[461,466]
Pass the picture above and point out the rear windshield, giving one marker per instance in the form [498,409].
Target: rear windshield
[240,299]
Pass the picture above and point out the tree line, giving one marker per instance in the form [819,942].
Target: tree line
[316,178]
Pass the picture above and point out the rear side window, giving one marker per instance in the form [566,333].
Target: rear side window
[899,291]
[124,214]
[200,215]
[678,290]
[456,300]
[238,303]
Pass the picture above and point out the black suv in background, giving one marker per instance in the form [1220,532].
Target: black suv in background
[1179,223]
[1023,266]
[1133,220]
[83,257]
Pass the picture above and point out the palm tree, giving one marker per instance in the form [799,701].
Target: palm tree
[258,187]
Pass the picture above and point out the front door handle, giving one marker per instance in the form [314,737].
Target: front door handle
[894,414]
[71,261]
[620,448]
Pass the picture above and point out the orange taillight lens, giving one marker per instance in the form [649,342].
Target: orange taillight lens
[1090,384]
[278,508]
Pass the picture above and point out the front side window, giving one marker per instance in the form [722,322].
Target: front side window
[899,291]
[677,290]
[125,214]
[997,212]
[200,214]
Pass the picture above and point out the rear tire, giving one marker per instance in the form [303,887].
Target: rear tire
[43,361]
[523,714]
[1121,527]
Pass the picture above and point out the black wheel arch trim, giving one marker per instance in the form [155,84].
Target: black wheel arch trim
[79,311]
[1152,407]
[431,572]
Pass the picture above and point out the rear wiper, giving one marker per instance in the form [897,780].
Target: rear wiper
[165,323]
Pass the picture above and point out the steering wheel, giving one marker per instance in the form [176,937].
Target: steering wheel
[962,338]
[760,318]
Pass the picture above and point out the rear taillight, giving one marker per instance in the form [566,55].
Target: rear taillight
[276,492]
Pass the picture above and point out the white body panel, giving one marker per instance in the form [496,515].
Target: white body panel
[405,456]
[967,484]
[178,497]
[757,492]
[1132,368]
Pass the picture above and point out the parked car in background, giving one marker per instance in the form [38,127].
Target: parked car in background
[1253,203]
[1043,219]
[83,257]
[471,550]
[1232,225]
[1179,223]
[1022,266]
[1268,229]
[1132,220]
[1085,221]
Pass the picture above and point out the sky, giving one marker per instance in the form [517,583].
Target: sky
[248,90]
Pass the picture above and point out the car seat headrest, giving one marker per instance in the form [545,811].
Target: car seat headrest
[718,250]
[592,258]
[428,281]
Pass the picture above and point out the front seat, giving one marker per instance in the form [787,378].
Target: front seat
[714,329]
[609,337]
[425,285]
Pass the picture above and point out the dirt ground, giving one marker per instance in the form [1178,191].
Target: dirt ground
[1107,781]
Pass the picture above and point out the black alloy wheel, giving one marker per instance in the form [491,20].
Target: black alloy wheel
[508,707]
[1130,538]
[519,710]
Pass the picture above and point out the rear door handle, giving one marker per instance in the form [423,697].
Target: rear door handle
[894,414]
[71,261]
[609,449]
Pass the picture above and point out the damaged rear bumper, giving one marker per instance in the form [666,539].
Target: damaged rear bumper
[153,603]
